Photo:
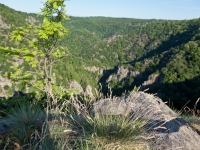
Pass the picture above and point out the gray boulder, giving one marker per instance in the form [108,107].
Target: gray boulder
[75,85]
[169,130]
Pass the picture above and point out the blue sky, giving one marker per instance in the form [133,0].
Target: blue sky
[144,9]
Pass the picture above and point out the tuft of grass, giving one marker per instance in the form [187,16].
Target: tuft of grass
[109,130]
[25,120]
[26,115]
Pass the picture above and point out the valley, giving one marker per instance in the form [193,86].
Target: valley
[162,56]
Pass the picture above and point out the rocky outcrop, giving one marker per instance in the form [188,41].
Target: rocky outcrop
[75,85]
[3,24]
[31,20]
[154,80]
[94,69]
[121,73]
[169,130]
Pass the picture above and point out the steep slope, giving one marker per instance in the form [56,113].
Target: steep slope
[83,34]
[166,52]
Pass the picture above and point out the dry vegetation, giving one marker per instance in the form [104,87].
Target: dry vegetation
[71,128]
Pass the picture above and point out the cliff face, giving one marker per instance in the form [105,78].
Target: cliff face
[122,72]
[154,80]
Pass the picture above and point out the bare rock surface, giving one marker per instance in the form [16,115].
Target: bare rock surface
[154,80]
[169,130]
[4,82]
[121,73]
[75,85]
[3,24]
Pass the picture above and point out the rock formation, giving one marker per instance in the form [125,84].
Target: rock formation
[154,80]
[169,130]
[121,72]
[75,85]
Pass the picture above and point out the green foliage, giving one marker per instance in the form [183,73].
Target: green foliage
[167,48]
[37,47]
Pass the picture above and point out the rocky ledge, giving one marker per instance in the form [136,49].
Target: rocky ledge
[169,131]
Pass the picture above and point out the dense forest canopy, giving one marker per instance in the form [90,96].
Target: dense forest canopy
[165,49]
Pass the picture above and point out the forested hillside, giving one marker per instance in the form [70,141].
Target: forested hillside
[161,55]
